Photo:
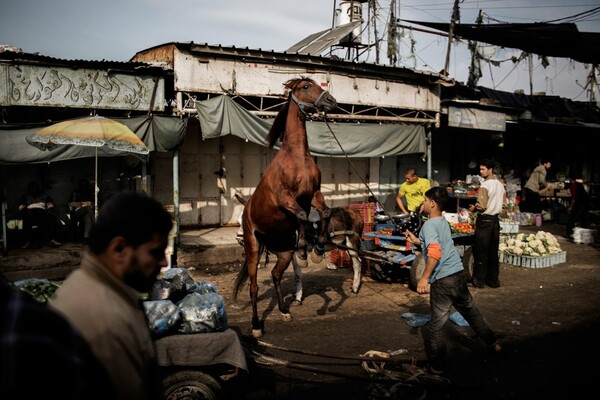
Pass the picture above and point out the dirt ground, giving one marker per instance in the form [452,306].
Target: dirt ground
[548,320]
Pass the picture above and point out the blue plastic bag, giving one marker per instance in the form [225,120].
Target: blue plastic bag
[203,313]
[414,320]
[163,317]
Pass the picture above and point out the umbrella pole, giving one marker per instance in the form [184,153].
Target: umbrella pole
[96,186]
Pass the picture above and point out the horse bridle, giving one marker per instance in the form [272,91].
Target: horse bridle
[302,104]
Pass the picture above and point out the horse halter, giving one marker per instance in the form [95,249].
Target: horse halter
[303,104]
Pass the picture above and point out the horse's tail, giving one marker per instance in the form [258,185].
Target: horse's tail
[241,278]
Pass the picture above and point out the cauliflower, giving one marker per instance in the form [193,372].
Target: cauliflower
[539,244]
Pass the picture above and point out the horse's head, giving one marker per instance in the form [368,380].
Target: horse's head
[309,96]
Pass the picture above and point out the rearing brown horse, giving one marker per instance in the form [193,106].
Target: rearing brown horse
[276,214]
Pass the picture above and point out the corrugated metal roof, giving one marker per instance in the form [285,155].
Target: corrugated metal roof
[306,60]
[35,58]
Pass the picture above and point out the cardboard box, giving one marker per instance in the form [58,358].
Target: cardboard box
[451,217]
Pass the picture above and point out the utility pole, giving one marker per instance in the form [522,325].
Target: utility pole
[453,19]
[592,83]
[530,61]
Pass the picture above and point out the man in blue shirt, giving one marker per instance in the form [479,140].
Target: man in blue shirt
[444,272]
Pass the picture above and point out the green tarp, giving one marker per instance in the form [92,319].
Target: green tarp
[222,116]
[157,132]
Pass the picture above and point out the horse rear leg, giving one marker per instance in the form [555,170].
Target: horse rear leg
[297,281]
[354,244]
[283,261]
[253,252]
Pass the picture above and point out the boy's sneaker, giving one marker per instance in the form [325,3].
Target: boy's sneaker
[495,348]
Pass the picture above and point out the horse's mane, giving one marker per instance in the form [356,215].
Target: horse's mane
[277,131]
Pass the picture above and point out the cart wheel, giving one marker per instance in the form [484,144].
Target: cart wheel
[469,262]
[380,273]
[416,271]
[191,385]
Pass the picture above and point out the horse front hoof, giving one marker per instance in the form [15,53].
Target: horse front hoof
[296,302]
[287,317]
[319,250]
[302,262]
[316,258]
[256,333]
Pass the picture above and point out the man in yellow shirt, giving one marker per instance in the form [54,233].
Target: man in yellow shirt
[414,190]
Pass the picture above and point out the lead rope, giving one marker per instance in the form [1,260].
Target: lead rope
[357,173]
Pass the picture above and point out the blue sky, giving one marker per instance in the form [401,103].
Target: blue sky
[117,29]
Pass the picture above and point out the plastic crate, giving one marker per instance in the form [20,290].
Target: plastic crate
[367,210]
[509,227]
[367,228]
[533,262]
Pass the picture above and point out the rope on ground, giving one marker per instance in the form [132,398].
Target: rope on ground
[387,378]
[369,355]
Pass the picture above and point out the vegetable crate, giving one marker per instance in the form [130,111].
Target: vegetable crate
[367,210]
[533,262]
[509,227]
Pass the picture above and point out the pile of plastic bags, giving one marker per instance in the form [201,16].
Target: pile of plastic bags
[177,304]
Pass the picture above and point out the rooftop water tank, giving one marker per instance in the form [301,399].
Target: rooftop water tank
[349,11]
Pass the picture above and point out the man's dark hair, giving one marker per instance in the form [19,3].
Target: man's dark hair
[439,195]
[489,164]
[135,216]
[410,171]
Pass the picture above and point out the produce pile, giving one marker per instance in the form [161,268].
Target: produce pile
[533,245]
[385,231]
[41,290]
[461,227]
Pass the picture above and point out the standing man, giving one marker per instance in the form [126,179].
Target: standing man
[491,198]
[536,181]
[102,297]
[444,272]
[413,189]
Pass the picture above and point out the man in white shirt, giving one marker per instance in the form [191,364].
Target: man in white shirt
[491,198]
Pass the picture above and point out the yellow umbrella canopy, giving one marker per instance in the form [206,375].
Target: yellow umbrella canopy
[93,132]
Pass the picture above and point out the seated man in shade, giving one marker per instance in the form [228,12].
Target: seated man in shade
[81,210]
[36,209]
